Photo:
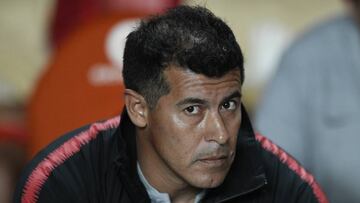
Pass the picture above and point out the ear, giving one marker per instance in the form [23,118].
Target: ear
[136,107]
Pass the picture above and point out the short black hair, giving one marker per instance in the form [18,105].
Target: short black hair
[186,37]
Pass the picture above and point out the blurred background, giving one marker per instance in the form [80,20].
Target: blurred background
[60,61]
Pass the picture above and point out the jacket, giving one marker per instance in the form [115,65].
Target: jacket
[97,163]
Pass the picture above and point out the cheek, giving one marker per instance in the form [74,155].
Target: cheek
[175,140]
[233,125]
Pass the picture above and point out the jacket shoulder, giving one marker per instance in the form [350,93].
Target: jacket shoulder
[67,166]
[288,181]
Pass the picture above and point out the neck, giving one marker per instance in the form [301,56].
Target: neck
[184,196]
[160,176]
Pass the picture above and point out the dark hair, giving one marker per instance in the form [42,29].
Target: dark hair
[186,37]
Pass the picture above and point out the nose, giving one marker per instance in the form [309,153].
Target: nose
[216,129]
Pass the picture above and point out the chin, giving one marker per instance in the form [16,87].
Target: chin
[208,181]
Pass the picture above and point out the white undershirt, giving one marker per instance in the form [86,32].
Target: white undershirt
[158,197]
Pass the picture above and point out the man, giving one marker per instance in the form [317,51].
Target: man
[183,136]
[311,107]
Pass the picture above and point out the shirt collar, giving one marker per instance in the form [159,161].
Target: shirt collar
[158,197]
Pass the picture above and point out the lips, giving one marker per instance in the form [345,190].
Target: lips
[214,160]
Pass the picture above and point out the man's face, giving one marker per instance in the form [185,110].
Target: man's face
[193,129]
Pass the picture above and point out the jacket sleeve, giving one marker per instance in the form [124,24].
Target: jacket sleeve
[306,193]
[61,172]
[288,181]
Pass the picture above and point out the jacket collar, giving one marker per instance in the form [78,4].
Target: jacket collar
[246,173]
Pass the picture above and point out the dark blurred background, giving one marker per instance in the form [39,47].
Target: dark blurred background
[60,61]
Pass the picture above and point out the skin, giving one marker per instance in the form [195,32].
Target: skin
[188,142]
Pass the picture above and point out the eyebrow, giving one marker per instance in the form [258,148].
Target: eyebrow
[194,100]
[235,94]
[191,100]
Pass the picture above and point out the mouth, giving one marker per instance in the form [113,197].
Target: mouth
[214,161]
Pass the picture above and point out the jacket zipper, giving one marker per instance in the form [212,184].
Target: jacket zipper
[243,193]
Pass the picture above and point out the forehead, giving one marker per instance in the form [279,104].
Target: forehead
[187,82]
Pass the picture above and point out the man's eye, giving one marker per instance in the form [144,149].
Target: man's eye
[191,110]
[229,105]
